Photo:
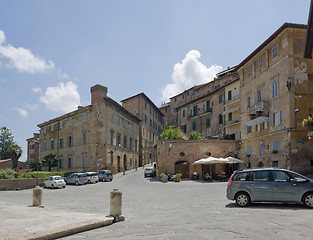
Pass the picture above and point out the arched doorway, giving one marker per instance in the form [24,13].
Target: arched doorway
[260,164]
[118,163]
[183,167]
[125,162]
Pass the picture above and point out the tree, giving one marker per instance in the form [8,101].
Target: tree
[15,152]
[49,161]
[6,140]
[35,166]
[171,133]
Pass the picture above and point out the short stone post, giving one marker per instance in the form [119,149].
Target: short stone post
[165,178]
[37,196]
[116,205]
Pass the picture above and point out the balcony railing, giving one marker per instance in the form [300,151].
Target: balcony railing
[233,99]
[234,121]
[200,112]
[259,107]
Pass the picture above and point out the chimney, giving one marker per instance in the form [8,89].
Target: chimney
[98,92]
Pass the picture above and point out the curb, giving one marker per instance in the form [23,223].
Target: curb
[75,230]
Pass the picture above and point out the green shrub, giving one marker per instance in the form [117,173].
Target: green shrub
[177,177]
[40,174]
[7,173]
[161,176]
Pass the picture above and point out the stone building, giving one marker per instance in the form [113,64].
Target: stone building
[150,126]
[204,114]
[33,149]
[178,156]
[192,110]
[232,110]
[103,135]
[276,91]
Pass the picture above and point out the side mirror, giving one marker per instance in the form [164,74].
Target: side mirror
[293,181]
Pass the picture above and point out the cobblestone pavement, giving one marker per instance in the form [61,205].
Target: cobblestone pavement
[185,210]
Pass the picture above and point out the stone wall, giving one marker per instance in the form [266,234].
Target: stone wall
[20,184]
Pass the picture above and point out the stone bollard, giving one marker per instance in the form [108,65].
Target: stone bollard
[165,178]
[37,196]
[116,205]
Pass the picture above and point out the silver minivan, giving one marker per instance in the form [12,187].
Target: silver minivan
[269,185]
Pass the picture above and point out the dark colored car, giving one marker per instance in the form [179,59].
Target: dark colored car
[269,185]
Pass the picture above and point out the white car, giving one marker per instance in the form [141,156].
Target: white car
[55,182]
[92,177]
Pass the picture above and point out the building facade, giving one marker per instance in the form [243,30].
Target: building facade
[231,112]
[176,156]
[150,126]
[33,149]
[204,114]
[276,92]
[102,135]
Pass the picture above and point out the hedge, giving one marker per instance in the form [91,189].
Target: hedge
[40,174]
[7,173]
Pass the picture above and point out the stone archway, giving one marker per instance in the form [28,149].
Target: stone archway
[183,167]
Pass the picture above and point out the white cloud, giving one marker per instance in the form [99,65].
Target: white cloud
[22,59]
[188,73]
[37,90]
[32,107]
[22,112]
[62,98]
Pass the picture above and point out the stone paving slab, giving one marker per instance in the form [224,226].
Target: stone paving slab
[27,222]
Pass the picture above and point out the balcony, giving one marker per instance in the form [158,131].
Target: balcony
[233,99]
[200,113]
[232,122]
[260,107]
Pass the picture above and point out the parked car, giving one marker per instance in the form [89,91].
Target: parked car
[54,182]
[76,178]
[269,185]
[105,175]
[92,177]
[149,172]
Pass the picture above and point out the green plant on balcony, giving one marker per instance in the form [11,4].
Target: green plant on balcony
[308,122]
[275,151]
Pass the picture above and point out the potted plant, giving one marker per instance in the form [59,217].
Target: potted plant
[177,177]
[275,151]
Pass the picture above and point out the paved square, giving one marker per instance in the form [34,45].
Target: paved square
[185,210]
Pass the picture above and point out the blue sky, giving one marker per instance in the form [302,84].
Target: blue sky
[52,52]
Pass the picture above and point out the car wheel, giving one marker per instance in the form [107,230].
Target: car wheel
[52,186]
[89,182]
[76,183]
[308,200]
[243,199]
[64,186]
[111,180]
[103,179]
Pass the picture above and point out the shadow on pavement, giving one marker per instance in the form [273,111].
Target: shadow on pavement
[269,206]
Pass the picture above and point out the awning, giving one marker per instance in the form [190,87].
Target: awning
[231,110]
[257,121]
[210,160]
